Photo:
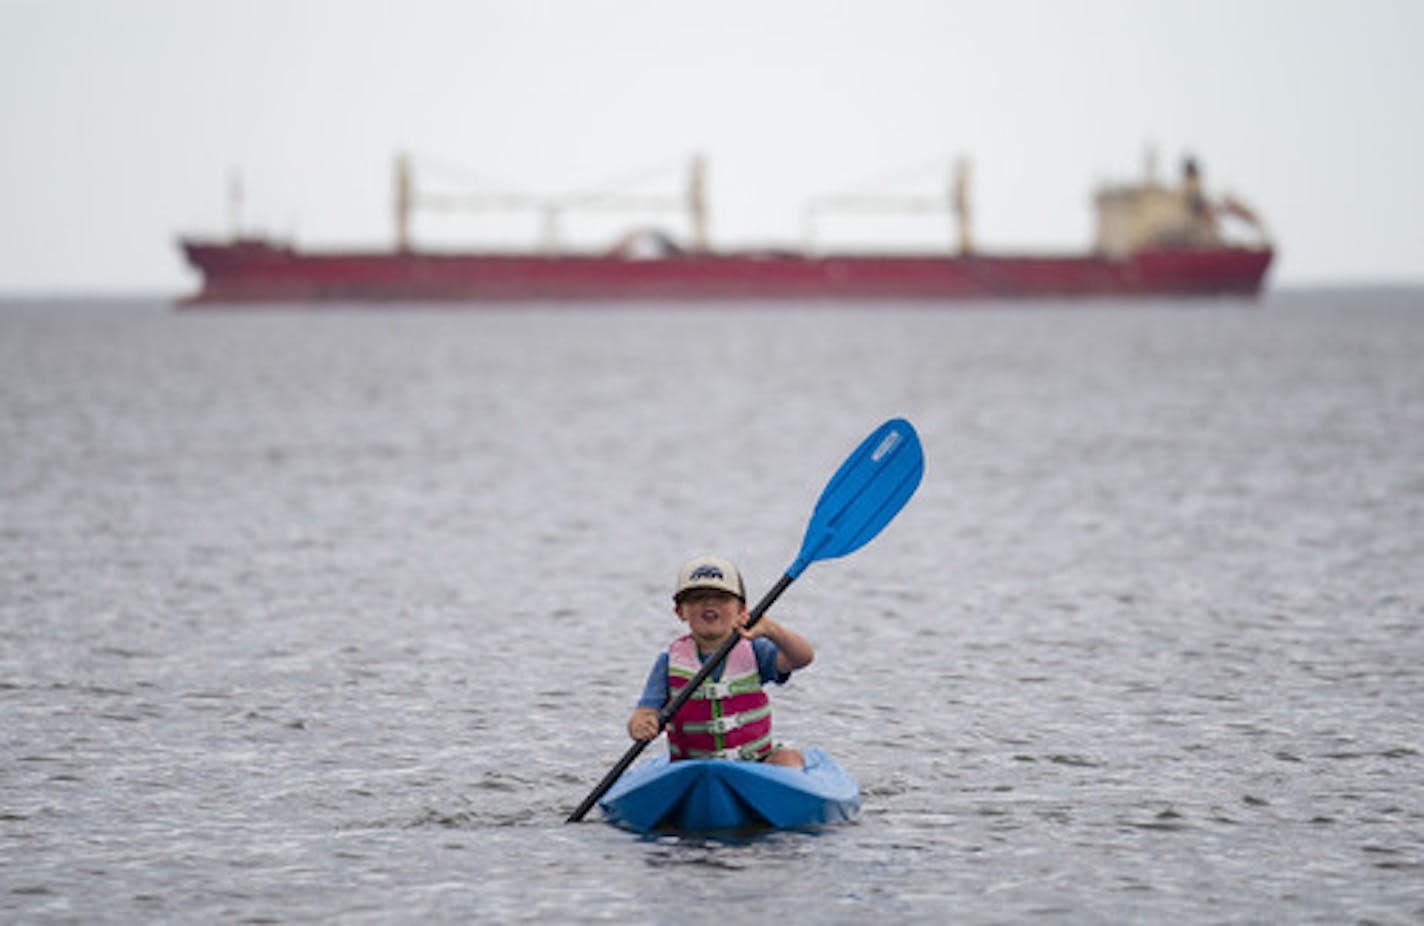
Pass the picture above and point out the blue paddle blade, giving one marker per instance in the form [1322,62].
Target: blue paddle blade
[869,489]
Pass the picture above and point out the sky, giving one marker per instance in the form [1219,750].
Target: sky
[124,125]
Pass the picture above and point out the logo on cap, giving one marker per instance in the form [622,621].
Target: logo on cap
[706,572]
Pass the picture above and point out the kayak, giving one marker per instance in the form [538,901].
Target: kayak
[721,795]
[718,795]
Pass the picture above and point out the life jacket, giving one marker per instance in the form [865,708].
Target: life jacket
[730,719]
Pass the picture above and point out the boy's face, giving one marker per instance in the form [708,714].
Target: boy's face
[712,616]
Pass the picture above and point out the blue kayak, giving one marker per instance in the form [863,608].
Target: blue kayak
[721,795]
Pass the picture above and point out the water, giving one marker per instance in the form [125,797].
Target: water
[335,615]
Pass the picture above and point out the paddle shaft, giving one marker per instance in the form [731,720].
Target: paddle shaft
[669,710]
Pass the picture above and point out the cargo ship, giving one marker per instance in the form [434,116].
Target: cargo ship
[1153,239]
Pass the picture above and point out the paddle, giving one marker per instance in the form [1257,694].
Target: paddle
[862,497]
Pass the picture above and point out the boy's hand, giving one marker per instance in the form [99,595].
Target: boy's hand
[766,627]
[643,725]
[793,650]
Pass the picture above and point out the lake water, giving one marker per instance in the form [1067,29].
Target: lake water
[336,614]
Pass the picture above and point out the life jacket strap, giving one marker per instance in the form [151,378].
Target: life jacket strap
[721,691]
[729,722]
[746,752]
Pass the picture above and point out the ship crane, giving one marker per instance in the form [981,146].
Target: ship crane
[954,203]
[550,208]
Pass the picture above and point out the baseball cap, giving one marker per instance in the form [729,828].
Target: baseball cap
[710,572]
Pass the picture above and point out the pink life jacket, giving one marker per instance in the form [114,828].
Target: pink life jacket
[730,719]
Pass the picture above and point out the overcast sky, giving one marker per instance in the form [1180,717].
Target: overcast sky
[122,122]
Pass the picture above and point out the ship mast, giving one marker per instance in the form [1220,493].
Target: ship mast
[405,201]
[234,205]
[697,203]
[963,210]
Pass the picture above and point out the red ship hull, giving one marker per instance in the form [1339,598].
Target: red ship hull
[257,271]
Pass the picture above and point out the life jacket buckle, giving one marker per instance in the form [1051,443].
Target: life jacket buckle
[724,724]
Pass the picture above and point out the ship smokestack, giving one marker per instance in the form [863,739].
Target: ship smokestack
[1192,189]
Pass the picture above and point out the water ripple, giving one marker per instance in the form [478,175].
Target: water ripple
[337,615]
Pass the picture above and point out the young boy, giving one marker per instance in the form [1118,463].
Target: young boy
[730,716]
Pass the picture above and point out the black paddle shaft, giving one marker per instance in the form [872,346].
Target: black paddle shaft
[669,710]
